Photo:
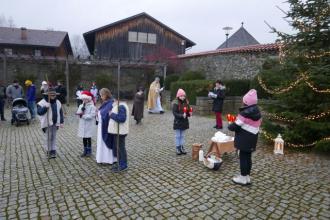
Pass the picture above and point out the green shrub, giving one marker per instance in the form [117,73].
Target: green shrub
[192,75]
[192,88]
[323,146]
[169,79]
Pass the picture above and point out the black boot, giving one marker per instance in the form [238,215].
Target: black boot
[88,151]
[183,151]
[84,153]
[178,150]
[52,154]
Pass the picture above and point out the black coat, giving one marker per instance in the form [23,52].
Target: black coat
[62,94]
[245,140]
[138,106]
[180,123]
[218,101]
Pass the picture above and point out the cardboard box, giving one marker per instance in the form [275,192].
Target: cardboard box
[220,148]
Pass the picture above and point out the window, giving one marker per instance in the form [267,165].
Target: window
[151,38]
[37,53]
[132,36]
[8,51]
[142,37]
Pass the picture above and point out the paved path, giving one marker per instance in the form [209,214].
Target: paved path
[158,184]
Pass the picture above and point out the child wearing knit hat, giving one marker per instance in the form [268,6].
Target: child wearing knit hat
[181,111]
[246,129]
[86,112]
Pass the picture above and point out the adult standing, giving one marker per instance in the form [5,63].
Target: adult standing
[14,91]
[61,90]
[95,92]
[44,87]
[154,104]
[138,105]
[218,95]
[79,90]
[104,143]
[31,97]
[2,100]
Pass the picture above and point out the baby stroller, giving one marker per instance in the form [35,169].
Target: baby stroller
[19,111]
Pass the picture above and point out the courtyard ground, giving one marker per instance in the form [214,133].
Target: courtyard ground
[158,184]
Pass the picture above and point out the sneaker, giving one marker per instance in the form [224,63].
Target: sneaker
[161,112]
[118,169]
[3,119]
[248,180]
[241,180]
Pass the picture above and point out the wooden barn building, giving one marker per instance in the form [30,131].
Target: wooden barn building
[140,37]
[22,41]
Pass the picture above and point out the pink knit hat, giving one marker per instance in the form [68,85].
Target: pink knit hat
[180,92]
[250,98]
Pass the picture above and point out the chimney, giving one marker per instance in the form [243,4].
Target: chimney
[23,33]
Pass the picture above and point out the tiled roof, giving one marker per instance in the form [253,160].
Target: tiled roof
[34,37]
[240,38]
[244,49]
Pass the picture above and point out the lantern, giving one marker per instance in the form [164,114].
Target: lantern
[232,118]
[279,145]
[185,109]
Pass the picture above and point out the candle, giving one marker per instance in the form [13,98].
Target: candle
[228,117]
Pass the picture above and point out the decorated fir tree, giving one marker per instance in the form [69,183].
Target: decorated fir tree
[299,81]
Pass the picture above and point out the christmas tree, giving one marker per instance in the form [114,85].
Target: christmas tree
[299,81]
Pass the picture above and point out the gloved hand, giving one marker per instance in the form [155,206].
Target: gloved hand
[96,122]
[83,108]
[44,130]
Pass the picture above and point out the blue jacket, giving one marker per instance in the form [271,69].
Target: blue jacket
[31,93]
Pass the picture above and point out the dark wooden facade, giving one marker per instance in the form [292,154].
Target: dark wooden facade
[15,41]
[154,40]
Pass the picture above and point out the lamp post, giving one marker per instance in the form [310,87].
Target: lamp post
[227,30]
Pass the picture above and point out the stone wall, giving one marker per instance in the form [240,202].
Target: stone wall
[227,66]
[79,73]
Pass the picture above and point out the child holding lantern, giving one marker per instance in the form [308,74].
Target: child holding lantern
[181,111]
[246,127]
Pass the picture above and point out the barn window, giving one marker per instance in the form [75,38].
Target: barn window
[37,53]
[8,51]
[142,37]
[151,38]
[132,36]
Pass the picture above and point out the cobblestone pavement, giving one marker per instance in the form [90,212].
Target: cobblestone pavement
[158,184]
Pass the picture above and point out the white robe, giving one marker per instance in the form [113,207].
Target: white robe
[158,108]
[103,153]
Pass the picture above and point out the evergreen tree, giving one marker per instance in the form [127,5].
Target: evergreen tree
[299,80]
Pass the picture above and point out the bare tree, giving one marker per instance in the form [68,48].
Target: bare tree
[6,22]
[79,46]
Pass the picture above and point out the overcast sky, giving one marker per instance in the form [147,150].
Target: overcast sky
[199,20]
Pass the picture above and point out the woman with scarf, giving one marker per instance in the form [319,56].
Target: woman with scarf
[104,153]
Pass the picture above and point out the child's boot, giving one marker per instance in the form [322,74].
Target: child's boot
[241,180]
[52,154]
[183,151]
[88,151]
[84,153]
[178,150]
